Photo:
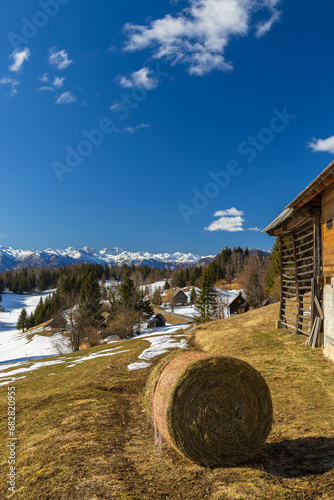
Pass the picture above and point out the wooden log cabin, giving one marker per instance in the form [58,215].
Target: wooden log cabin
[306,233]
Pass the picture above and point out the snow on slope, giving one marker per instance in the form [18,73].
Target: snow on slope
[13,343]
[227,296]
[161,341]
[14,258]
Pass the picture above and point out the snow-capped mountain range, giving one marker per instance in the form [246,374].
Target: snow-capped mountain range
[11,258]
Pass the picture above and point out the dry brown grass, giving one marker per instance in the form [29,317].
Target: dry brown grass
[235,333]
[170,318]
[236,285]
[83,435]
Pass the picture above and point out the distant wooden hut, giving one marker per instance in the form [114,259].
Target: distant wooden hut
[306,233]
[57,324]
[158,321]
[179,298]
[238,305]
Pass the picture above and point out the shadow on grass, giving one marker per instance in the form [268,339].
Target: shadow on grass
[297,457]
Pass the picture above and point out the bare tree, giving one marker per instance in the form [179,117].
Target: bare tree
[253,280]
[222,305]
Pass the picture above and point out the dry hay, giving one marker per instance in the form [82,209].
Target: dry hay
[214,410]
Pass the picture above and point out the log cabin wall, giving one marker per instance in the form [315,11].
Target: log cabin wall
[328,269]
[328,231]
[298,270]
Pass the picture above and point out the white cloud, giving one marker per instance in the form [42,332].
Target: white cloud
[140,79]
[264,26]
[229,220]
[59,58]
[19,56]
[56,84]
[44,78]
[199,34]
[254,229]
[229,211]
[66,98]
[12,82]
[131,130]
[322,145]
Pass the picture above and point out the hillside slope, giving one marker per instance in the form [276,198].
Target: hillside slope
[83,433]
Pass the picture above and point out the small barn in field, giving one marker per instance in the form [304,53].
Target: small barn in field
[238,305]
[306,233]
[57,324]
[179,298]
[158,320]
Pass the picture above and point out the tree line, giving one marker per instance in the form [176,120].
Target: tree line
[78,291]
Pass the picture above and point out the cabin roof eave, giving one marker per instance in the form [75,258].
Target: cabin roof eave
[320,183]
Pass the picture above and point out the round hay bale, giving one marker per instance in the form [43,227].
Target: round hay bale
[214,410]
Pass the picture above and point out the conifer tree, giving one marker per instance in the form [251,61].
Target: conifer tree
[127,291]
[193,296]
[22,321]
[207,300]
[181,282]
[89,300]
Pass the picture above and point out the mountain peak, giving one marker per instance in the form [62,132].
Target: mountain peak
[17,259]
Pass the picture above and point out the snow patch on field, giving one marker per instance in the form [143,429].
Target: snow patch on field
[14,344]
[161,340]
[161,345]
[138,366]
[107,352]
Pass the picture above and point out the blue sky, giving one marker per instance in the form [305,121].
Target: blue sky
[160,126]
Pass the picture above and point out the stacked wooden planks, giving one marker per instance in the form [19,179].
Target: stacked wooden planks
[300,265]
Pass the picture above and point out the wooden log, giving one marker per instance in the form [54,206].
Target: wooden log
[304,243]
[312,301]
[297,284]
[318,306]
[307,251]
[288,307]
[289,287]
[281,271]
[285,316]
[303,259]
[287,324]
[302,266]
[310,340]
[306,235]
[303,332]
[310,273]
[316,332]
[317,260]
